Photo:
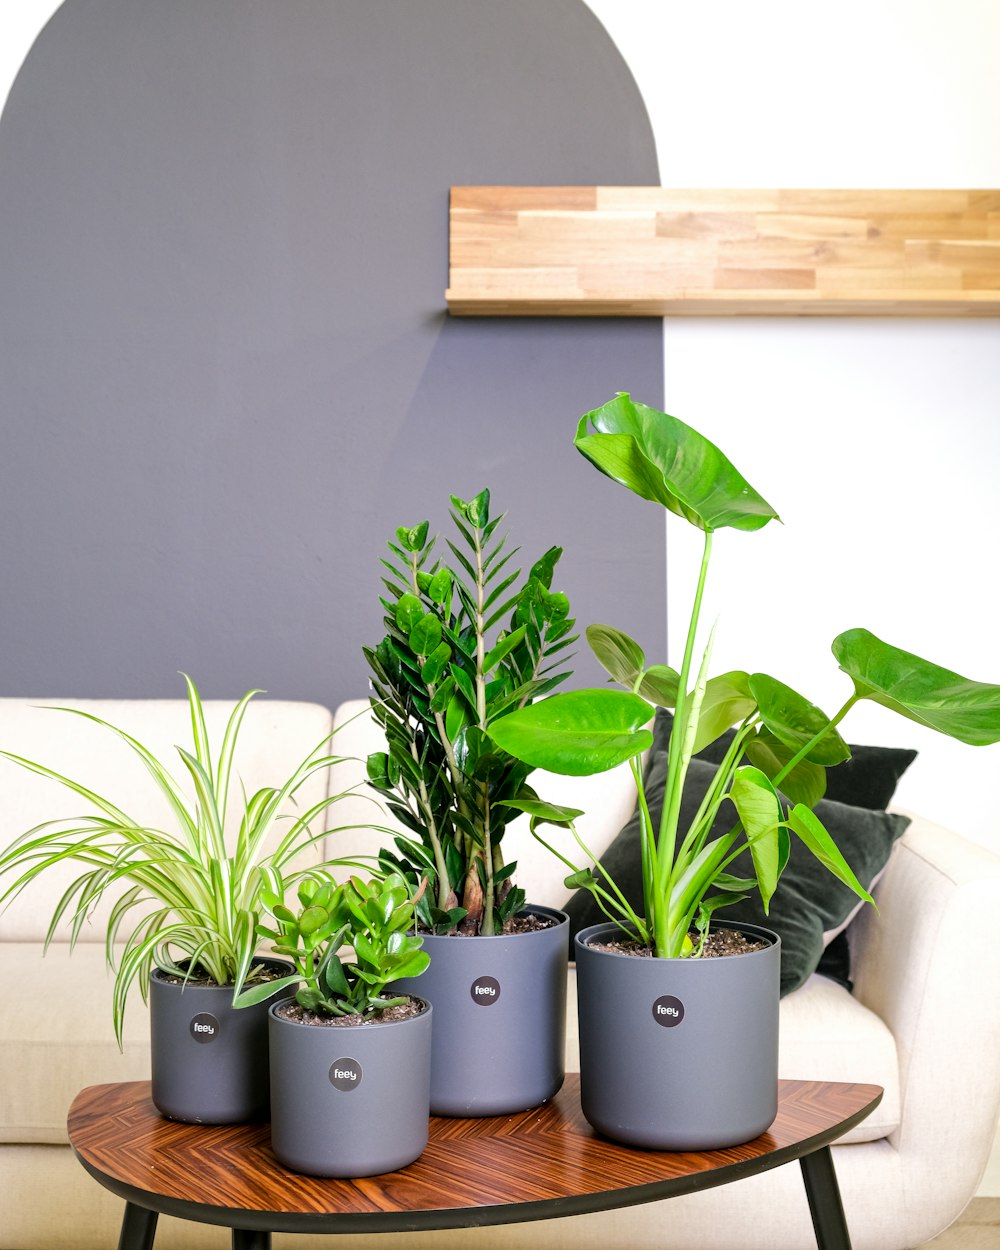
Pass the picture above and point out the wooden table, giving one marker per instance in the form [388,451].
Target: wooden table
[540,1164]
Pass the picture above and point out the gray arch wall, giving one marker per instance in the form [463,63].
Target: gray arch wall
[226,374]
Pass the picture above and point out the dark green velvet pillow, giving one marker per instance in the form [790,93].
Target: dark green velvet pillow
[810,902]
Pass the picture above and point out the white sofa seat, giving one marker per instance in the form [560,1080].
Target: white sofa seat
[924,1023]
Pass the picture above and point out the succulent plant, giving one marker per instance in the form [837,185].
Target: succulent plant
[373,918]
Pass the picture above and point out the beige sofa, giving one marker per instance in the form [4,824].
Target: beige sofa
[924,1021]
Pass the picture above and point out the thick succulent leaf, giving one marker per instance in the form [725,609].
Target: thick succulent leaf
[922,691]
[806,783]
[795,721]
[662,459]
[727,701]
[814,835]
[760,813]
[577,733]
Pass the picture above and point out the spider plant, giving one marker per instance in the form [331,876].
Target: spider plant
[774,771]
[191,902]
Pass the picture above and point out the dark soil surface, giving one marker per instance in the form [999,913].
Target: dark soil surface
[524,922]
[292,1011]
[258,972]
[720,942]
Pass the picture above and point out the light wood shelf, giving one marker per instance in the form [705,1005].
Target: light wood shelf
[654,252]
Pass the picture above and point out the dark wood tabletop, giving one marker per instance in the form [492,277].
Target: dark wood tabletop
[542,1163]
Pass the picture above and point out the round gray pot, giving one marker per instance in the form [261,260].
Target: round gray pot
[678,1054]
[499,1018]
[209,1061]
[350,1100]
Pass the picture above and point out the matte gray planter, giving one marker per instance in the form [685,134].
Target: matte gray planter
[351,1100]
[209,1061]
[499,1018]
[678,1054]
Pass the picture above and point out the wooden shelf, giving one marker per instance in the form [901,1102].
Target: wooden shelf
[654,252]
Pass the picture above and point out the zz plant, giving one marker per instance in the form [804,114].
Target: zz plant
[466,644]
[774,771]
[191,902]
[373,919]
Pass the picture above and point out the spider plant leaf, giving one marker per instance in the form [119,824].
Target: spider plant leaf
[209,812]
[228,750]
[661,459]
[199,730]
[919,690]
[264,990]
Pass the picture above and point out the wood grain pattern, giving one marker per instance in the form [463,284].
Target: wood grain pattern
[653,251]
[547,1161]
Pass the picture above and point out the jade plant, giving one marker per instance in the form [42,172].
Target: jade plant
[773,772]
[192,893]
[372,919]
[466,643]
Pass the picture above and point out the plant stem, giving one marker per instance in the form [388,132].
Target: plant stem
[676,765]
[803,753]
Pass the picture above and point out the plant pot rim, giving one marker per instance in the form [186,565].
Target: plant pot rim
[586,937]
[425,1008]
[161,974]
[554,913]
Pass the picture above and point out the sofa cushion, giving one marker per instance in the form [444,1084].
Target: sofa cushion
[56,1036]
[824,1034]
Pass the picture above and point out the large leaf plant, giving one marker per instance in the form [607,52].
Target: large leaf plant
[187,898]
[774,770]
[467,642]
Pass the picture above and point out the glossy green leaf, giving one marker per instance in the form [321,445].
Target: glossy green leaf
[620,656]
[412,538]
[661,459]
[577,733]
[727,701]
[503,648]
[795,721]
[434,665]
[425,634]
[409,611]
[760,813]
[808,826]
[542,812]
[660,685]
[922,691]
[806,783]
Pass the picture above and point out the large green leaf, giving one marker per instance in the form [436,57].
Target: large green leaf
[577,733]
[814,835]
[795,721]
[915,688]
[660,458]
[806,783]
[620,656]
[760,814]
[727,701]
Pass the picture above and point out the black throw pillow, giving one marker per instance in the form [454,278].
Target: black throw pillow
[809,902]
[868,779]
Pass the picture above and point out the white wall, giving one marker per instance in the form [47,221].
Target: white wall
[878,441]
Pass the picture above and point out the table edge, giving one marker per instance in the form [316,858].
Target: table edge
[481,1216]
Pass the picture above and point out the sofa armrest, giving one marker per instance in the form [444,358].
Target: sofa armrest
[929,965]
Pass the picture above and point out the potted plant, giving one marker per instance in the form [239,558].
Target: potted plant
[350,1064]
[466,643]
[188,914]
[701,1033]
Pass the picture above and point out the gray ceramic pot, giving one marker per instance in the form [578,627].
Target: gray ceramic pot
[499,1018]
[350,1100]
[678,1054]
[209,1061]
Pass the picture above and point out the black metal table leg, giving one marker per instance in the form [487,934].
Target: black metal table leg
[825,1206]
[251,1239]
[138,1228]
